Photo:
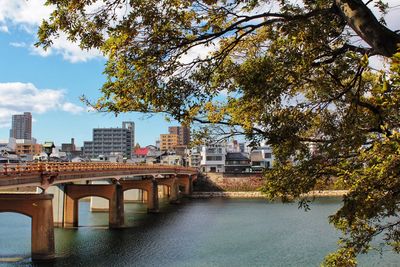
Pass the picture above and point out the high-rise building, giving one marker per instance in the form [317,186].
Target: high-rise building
[21,126]
[130,125]
[168,141]
[111,141]
[183,134]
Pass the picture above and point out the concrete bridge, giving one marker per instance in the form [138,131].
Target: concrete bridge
[62,185]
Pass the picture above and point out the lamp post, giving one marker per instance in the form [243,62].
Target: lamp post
[48,148]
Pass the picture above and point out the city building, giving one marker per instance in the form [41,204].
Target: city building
[183,134]
[213,158]
[71,150]
[141,152]
[193,156]
[168,141]
[111,141]
[237,162]
[177,139]
[233,146]
[21,127]
[9,144]
[139,155]
[27,148]
[68,147]
[171,160]
[261,158]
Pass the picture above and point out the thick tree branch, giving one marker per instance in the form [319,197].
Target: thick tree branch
[361,19]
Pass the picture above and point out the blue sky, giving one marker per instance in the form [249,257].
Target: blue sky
[49,84]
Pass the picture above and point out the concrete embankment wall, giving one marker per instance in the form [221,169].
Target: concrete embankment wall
[218,182]
[256,194]
[244,185]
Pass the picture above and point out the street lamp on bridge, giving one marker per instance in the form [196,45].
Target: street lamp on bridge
[48,148]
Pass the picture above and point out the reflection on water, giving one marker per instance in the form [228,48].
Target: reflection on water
[214,232]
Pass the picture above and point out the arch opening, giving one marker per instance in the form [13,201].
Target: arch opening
[135,206]
[93,211]
[164,192]
[15,236]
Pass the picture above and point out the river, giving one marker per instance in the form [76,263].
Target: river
[209,232]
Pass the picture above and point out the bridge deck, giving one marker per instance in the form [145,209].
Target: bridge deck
[45,173]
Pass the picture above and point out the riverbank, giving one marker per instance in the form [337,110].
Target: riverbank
[257,194]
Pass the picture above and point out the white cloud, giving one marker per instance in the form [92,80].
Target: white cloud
[18,44]
[22,12]
[69,51]
[18,97]
[28,15]
[200,51]
[72,108]
[4,28]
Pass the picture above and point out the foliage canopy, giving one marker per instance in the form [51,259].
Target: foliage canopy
[289,72]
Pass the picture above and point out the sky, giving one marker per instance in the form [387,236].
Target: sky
[49,83]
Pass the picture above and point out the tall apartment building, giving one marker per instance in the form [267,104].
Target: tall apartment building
[168,141]
[177,138]
[183,134]
[21,126]
[111,141]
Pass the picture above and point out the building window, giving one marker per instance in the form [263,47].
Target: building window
[214,158]
[267,155]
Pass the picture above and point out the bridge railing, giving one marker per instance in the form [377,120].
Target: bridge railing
[9,169]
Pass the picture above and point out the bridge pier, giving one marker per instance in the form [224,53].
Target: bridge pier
[58,203]
[112,192]
[187,182]
[39,208]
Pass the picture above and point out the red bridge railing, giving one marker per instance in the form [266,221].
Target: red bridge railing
[59,167]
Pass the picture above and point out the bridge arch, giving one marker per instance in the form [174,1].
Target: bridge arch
[39,208]
[148,185]
[111,192]
[172,185]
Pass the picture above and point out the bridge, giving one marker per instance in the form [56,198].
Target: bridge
[62,185]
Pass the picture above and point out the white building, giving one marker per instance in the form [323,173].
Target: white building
[233,146]
[172,160]
[193,156]
[10,143]
[213,158]
[262,158]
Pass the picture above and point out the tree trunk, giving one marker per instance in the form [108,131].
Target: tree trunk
[360,18]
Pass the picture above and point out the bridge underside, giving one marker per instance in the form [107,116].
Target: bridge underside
[39,208]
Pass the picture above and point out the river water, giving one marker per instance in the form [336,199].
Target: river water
[211,232]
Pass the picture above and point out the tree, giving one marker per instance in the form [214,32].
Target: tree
[289,72]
